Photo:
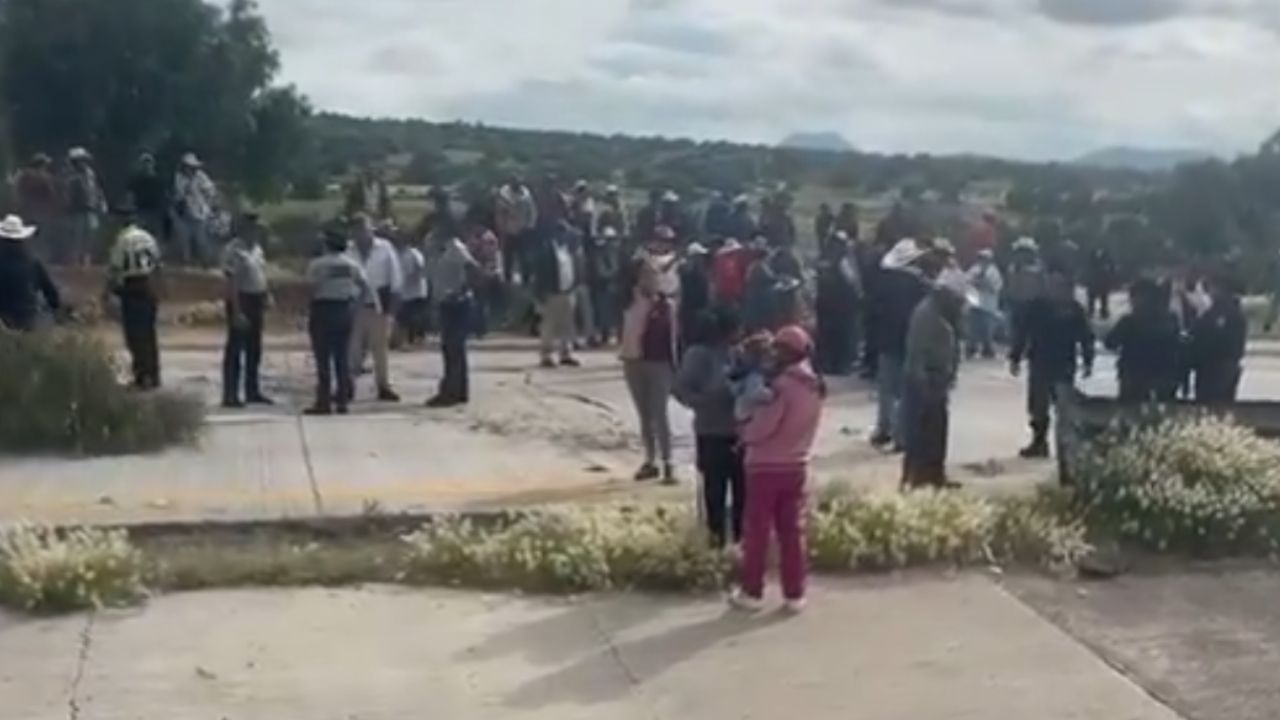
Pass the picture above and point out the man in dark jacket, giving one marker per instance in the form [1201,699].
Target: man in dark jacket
[1056,331]
[1217,345]
[715,221]
[838,306]
[741,225]
[899,289]
[558,269]
[1099,282]
[23,278]
[1149,345]
[695,291]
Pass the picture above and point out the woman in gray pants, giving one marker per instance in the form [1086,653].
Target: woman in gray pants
[649,351]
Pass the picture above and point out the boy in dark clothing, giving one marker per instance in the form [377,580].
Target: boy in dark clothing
[1055,331]
[1217,346]
[1148,342]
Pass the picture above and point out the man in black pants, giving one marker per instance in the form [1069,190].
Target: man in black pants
[1055,332]
[453,272]
[245,269]
[134,276]
[338,286]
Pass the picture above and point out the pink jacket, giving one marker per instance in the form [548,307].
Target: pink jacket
[782,432]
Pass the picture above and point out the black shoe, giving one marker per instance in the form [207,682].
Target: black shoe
[881,441]
[570,361]
[259,399]
[232,403]
[547,363]
[317,410]
[669,475]
[387,395]
[1035,451]
[440,401]
[342,409]
[647,471]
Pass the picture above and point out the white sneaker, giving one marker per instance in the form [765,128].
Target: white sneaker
[795,607]
[739,600]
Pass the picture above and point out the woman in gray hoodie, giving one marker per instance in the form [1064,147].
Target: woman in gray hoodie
[702,385]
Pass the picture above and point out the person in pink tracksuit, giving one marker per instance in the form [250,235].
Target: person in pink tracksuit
[779,439]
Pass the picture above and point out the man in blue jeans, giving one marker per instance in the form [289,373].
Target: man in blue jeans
[900,289]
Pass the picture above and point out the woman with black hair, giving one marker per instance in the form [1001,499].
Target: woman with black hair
[702,385]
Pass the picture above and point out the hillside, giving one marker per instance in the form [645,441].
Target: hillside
[1142,159]
[827,141]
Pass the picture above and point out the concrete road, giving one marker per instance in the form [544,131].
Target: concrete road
[884,649]
[1205,642]
[529,436]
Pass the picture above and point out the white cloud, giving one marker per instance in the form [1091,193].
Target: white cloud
[1031,78]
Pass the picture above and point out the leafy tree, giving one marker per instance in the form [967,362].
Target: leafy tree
[162,75]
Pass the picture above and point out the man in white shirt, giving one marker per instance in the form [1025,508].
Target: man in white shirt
[411,319]
[372,327]
[984,277]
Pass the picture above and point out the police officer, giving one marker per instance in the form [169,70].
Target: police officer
[1217,345]
[1055,332]
[133,275]
[338,286]
[1149,344]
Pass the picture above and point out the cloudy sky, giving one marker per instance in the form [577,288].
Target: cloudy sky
[1022,78]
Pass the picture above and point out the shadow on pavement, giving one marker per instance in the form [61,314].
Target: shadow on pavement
[640,661]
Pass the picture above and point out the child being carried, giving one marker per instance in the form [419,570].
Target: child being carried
[752,369]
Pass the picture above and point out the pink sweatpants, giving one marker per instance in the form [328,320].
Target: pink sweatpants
[775,500]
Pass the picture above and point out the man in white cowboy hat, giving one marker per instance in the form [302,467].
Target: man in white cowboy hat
[195,199]
[133,275]
[23,278]
[898,290]
[85,204]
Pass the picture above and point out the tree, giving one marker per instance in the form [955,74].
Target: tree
[162,75]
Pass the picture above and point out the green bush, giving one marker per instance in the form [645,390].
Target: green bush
[62,394]
[48,570]
[1201,486]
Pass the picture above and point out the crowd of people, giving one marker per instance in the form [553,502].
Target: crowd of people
[718,310]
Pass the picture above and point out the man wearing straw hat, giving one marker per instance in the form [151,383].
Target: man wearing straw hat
[194,198]
[85,205]
[23,278]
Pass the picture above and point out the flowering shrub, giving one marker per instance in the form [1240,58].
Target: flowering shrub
[569,550]
[1204,486]
[44,569]
[561,549]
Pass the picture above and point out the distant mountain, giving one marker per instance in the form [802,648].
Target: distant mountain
[1143,159]
[832,141]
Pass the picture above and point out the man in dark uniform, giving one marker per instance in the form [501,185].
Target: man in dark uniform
[133,275]
[1056,331]
[1148,342]
[1217,345]
[338,286]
